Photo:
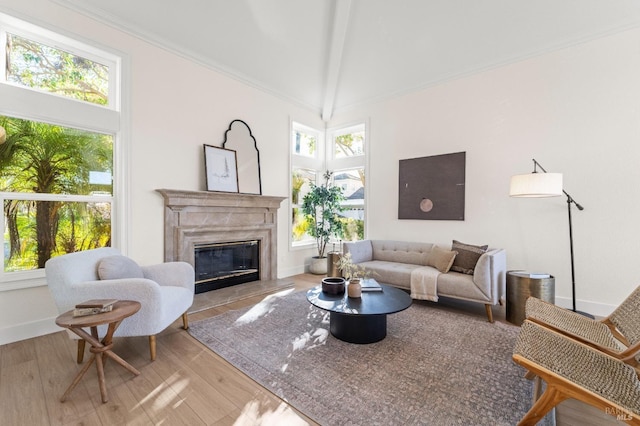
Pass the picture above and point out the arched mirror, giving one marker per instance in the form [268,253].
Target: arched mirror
[239,138]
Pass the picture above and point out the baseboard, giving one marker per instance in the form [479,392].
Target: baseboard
[28,330]
[593,308]
[294,270]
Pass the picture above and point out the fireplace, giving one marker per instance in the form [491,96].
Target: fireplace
[223,264]
[195,220]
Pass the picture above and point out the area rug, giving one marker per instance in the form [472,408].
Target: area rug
[435,367]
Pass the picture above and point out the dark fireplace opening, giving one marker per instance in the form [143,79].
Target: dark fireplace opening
[224,264]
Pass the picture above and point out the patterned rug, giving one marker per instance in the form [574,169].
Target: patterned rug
[435,367]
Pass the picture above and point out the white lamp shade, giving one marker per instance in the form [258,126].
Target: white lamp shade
[536,185]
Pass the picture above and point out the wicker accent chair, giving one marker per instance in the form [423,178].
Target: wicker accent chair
[574,370]
[165,290]
[617,335]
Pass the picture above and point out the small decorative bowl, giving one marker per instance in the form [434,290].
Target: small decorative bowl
[333,285]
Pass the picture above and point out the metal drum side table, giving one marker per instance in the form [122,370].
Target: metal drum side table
[520,285]
[332,268]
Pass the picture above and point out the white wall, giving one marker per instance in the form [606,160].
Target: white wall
[577,112]
[176,106]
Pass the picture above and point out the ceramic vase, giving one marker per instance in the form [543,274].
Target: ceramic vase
[354,289]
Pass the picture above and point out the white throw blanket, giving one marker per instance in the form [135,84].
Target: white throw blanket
[424,284]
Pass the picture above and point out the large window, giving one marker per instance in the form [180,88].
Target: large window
[343,153]
[59,123]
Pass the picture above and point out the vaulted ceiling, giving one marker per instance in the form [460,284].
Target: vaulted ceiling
[334,54]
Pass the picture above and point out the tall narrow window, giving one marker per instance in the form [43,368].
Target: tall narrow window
[352,184]
[57,165]
[348,164]
[307,158]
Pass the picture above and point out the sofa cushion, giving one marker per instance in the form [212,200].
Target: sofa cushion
[461,286]
[401,251]
[118,267]
[467,258]
[441,259]
[361,251]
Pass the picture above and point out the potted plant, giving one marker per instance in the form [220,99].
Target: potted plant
[320,207]
[350,270]
[353,273]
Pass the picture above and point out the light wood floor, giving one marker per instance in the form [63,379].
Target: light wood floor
[186,385]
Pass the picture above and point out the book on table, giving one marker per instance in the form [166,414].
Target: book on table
[370,284]
[536,275]
[96,303]
[93,307]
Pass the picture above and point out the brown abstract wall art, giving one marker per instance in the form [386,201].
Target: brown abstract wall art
[432,188]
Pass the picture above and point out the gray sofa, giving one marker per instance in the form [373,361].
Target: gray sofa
[393,262]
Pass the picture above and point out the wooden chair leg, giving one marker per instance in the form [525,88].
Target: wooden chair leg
[549,399]
[487,307]
[185,321]
[537,388]
[80,355]
[152,347]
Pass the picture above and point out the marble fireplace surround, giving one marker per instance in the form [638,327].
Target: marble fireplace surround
[200,217]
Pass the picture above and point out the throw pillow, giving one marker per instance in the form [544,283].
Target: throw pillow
[117,267]
[441,259]
[467,258]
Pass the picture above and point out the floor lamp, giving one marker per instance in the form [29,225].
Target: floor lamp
[537,185]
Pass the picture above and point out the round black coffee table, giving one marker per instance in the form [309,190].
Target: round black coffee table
[361,320]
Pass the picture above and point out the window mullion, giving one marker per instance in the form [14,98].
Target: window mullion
[3,56]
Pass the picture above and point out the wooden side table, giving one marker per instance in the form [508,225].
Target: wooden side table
[99,348]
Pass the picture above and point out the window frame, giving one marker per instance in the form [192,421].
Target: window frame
[326,161]
[39,105]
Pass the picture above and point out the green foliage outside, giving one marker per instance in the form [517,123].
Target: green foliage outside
[297,182]
[39,66]
[349,145]
[47,159]
[353,229]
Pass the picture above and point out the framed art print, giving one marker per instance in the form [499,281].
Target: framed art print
[432,188]
[221,168]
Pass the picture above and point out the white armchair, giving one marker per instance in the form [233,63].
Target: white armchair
[165,291]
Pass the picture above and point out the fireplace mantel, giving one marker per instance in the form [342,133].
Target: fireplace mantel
[177,198]
[200,217]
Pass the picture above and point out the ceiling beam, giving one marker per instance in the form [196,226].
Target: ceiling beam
[338,36]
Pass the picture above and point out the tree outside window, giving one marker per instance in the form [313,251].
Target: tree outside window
[39,66]
[57,162]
